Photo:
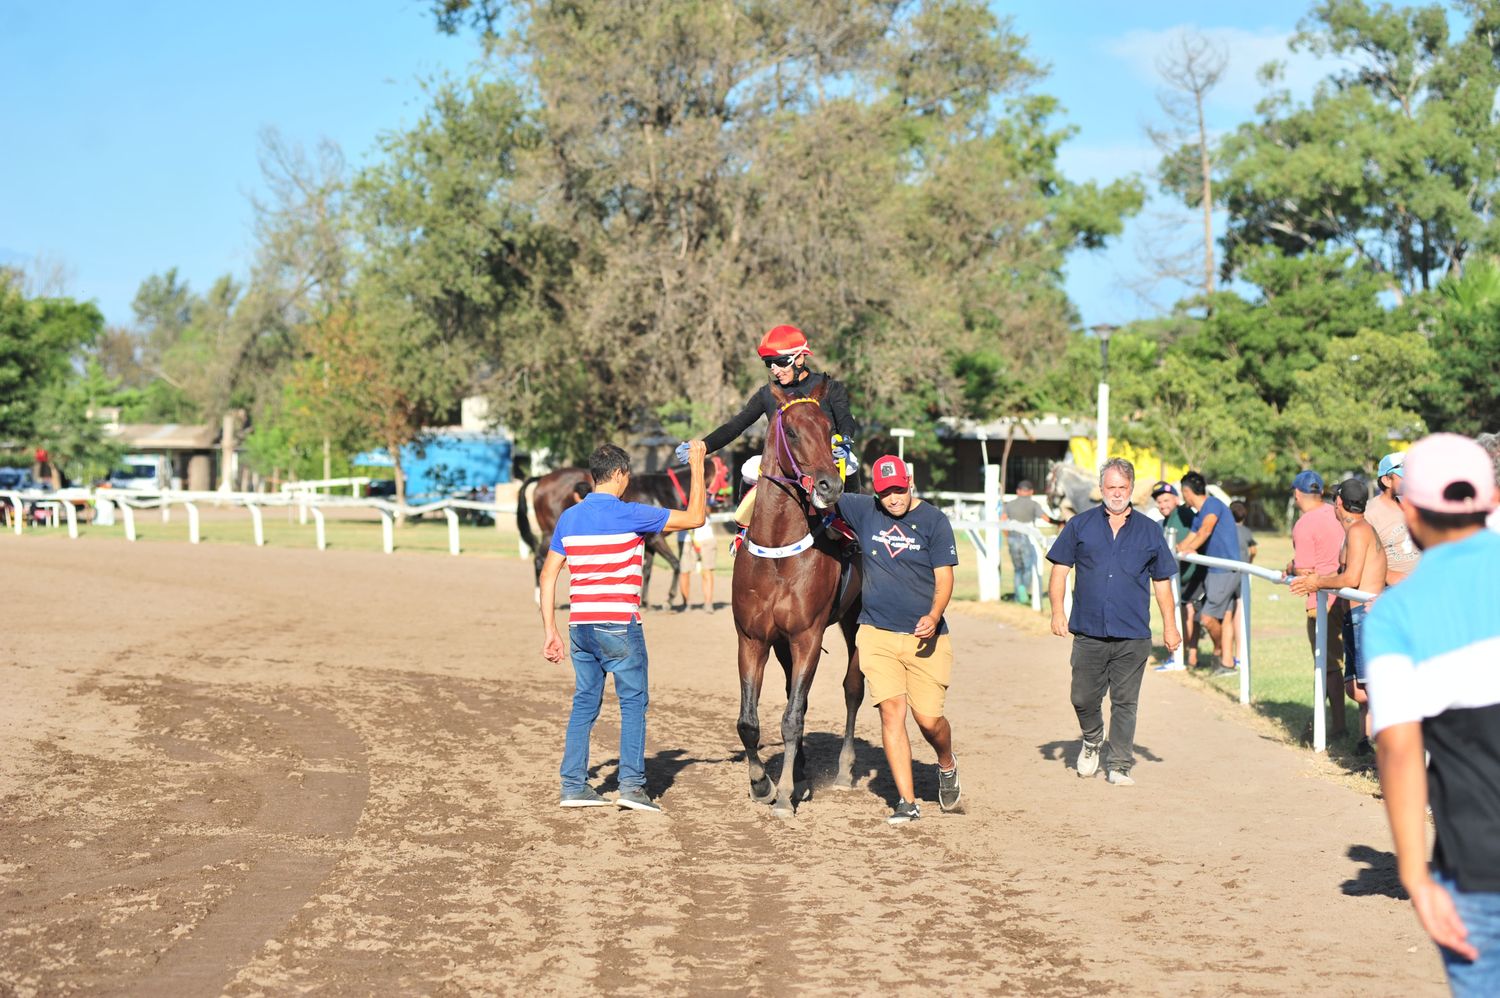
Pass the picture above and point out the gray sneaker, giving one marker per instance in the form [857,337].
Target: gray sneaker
[636,799]
[949,791]
[587,797]
[1088,759]
[1119,779]
[906,812]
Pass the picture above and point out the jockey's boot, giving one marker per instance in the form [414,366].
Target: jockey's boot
[839,530]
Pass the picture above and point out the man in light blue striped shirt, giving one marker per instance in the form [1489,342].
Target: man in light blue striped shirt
[1433,645]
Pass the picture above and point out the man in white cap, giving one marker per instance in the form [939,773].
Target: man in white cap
[1384,514]
[1434,645]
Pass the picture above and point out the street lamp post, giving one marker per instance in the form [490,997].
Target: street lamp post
[1101,442]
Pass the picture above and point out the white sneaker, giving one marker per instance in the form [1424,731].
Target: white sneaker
[1119,779]
[1088,759]
[1170,665]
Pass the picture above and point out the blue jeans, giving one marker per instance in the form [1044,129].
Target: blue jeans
[1480,912]
[1023,559]
[599,649]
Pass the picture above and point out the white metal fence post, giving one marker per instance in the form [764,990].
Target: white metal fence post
[387,530]
[451,515]
[1320,680]
[128,512]
[320,529]
[194,536]
[989,562]
[1242,642]
[20,514]
[72,515]
[257,523]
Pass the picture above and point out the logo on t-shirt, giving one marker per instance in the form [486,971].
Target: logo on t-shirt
[896,540]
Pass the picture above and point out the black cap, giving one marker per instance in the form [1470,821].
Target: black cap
[1354,494]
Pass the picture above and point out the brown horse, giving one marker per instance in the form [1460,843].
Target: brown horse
[557,490]
[786,593]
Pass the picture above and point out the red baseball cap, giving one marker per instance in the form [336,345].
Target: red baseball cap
[890,472]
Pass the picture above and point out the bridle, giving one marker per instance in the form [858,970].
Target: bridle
[782,449]
[802,482]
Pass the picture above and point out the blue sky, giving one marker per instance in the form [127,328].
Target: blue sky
[132,129]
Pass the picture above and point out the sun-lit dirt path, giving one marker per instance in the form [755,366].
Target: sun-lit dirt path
[229,769]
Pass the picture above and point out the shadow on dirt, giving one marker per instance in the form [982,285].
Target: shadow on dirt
[1067,751]
[1377,879]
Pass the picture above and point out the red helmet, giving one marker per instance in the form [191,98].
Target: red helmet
[783,341]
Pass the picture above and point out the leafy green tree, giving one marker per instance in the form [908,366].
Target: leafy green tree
[1199,411]
[1304,304]
[1465,323]
[47,391]
[688,175]
[1395,158]
[1366,392]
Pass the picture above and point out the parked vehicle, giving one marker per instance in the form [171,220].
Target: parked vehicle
[18,479]
[147,472]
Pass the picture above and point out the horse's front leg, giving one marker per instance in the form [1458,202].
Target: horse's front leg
[806,646]
[854,695]
[753,654]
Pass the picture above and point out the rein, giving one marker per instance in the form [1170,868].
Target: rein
[780,448]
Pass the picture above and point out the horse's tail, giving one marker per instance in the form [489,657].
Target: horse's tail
[523,522]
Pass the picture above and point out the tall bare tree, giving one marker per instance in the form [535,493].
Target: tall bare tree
[1191,66]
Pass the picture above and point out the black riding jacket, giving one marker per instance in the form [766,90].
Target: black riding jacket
[835,405]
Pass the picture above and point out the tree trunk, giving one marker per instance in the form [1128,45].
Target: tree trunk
[395,451]
[1010,438]
[1208,199]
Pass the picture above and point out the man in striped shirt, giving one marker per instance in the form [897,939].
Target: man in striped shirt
[601,540]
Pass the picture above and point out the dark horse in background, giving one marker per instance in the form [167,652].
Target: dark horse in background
[557,490]
[786,594]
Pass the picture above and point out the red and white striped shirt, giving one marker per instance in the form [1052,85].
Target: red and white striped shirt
[603,541]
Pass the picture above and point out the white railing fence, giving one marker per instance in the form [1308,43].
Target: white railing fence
[131,501]
[1243,632]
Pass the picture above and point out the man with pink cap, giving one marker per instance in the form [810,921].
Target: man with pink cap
[1433,644]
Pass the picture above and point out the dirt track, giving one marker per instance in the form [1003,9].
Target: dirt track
[262,771]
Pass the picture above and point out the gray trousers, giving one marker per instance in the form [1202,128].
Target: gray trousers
[1114,666]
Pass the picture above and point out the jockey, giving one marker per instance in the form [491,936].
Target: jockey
[784,351]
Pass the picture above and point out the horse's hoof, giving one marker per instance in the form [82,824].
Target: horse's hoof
[783,810]
[761,791]
[843,783]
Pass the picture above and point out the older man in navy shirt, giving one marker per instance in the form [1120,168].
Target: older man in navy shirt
[1121,556]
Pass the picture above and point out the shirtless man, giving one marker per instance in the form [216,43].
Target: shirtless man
[1385,515]
[1362,566]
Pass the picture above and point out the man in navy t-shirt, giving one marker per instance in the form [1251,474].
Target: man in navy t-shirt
[907,555]
[1215,534]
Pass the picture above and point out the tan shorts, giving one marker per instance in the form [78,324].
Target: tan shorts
[702,554]
[903,665]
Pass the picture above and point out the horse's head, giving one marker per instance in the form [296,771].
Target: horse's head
[799,448]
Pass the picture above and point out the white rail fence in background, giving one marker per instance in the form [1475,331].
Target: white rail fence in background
[129,502]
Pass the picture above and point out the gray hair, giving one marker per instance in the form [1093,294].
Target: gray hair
[1121,465]
[1491,444]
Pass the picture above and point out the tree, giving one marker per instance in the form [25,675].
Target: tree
[689,175]
[1191,67]
[1465,323]
[1365,393]
[1396,158]
[47,391]
[1305,303]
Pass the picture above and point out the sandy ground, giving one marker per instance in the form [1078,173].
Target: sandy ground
[261,771]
